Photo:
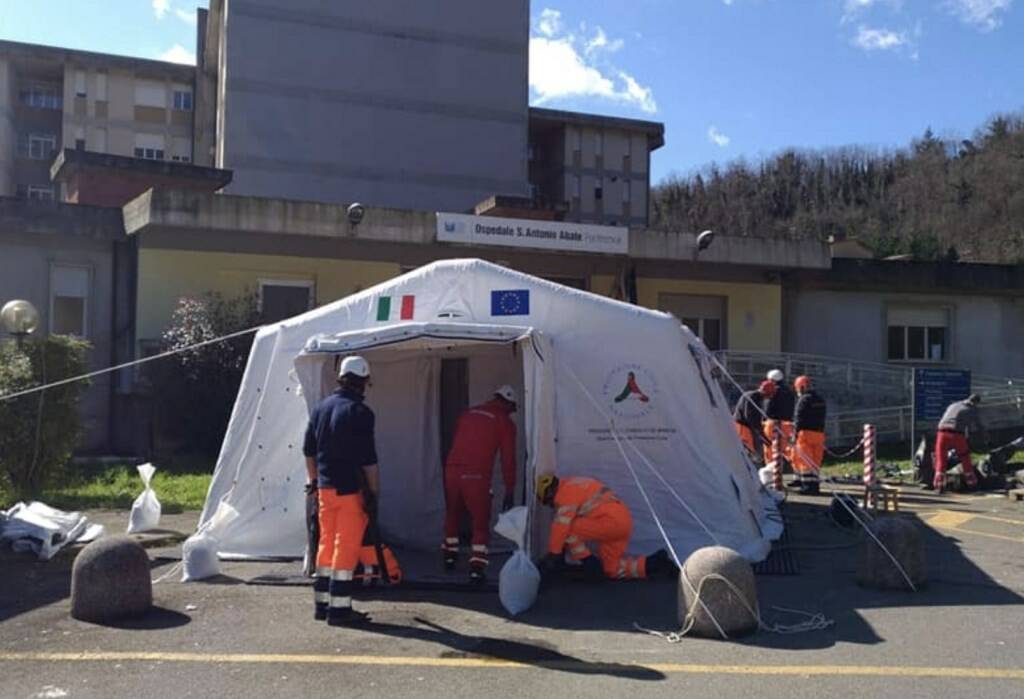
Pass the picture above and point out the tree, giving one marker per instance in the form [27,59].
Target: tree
[196,389]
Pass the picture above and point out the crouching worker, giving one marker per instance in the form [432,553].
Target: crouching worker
[588,512]
[341,460]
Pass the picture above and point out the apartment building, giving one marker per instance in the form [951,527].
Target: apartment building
[55,98]
[598,167]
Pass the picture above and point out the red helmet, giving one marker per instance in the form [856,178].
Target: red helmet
[802,383]
[767,388]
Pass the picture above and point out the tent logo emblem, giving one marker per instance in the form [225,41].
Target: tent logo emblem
[630,390]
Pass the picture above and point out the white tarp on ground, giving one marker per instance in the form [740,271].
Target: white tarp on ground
[590,369]
[43,530]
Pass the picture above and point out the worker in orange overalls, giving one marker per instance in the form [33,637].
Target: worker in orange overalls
[480,433]
[588,511]
[779,410]
[809,442]
[749,418]
[341,463]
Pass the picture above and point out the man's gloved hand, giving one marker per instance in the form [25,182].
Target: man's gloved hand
[508,503]
[312,488]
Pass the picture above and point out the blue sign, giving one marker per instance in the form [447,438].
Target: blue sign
[510,302]
[935,389]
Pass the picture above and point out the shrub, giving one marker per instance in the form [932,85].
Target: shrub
[38,431]
[195,390]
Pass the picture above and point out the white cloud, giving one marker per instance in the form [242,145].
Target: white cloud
[160,8]
[186,16]
[565,65]
[178,54]
[871,39]
[550,22]
[985,15]
[852,9]
[717,137]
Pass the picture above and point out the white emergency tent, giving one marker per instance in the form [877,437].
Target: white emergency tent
[608,389]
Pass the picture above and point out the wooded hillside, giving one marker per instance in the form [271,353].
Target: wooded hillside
[936,198]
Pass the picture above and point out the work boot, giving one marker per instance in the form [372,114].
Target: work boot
[346,616]
[477,574]
[660,563]
[810,488]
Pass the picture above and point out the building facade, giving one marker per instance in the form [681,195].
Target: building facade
[53,98]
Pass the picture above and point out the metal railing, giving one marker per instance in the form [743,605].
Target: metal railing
[858,392]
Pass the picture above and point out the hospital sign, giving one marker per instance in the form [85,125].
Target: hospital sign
[521,233]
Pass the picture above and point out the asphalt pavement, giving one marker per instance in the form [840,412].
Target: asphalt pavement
[226,638]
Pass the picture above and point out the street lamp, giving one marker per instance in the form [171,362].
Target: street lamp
[704,241]
[20,318]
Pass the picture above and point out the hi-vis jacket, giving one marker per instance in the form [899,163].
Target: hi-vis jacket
[577,497]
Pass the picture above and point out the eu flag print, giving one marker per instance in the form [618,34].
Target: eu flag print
[510,302]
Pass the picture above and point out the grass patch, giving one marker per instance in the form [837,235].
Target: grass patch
[180,484]
[887,454]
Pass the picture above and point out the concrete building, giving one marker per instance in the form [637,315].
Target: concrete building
[52,98]
[297,255]
[958,315]
[65,260]
[597,167]
[412,105]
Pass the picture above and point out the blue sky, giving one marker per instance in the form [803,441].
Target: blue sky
[729,78]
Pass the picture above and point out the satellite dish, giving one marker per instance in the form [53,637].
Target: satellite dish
[705,239]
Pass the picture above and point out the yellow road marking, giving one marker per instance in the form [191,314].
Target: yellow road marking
[947,519]
[489,663]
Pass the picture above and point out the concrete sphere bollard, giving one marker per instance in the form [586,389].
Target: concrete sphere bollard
[110,579]
[904,540]
[719,600]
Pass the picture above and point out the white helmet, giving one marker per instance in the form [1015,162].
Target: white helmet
[776,375]
[506,392]
[357,366]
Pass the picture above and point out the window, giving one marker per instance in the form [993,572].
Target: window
[183,100]
[69,300]
[918,334]
[37,146]
[101,87]
[150,94]
[626,193]
[599,143]
[627,163]
[576,144]
[80,83]
[101,141]
[39,192]
[181,150]
[281,299]
[704,315]
[599,190]
[42,95]
[149,146]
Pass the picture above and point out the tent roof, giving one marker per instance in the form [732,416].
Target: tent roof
[415,336]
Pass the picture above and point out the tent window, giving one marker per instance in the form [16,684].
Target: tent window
[282,299]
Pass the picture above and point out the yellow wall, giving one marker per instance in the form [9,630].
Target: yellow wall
[167,275]
[753,311]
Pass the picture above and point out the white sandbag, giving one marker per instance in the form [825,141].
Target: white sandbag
[146,508]
[199,552]
[519,577]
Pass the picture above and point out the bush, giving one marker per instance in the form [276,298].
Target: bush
[38,431]
[195,390]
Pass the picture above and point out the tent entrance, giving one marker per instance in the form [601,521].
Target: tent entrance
[423,377]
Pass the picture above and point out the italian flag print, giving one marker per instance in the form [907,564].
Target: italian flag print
[386,306]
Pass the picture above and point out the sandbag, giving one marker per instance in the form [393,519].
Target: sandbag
[146,508]
[519,578]
[199,552]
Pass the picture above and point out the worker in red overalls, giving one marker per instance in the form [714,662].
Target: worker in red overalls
[480,433]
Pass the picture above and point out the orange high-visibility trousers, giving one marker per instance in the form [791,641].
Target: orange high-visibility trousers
[609,528]
[787,438]
[368,559]
[342,524]
[809,452]
[746,436]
